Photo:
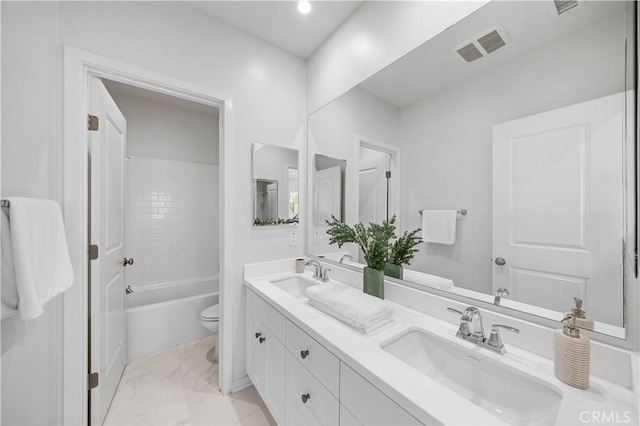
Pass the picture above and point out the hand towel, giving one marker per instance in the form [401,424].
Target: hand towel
[439,226]
[428,280]
[40,253]
[8,290]
[359,310]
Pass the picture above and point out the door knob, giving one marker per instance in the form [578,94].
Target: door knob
[126,261]
[500,261]
[304,354]
[305,398]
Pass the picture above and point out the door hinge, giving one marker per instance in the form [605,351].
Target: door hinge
[94,380]
[92,122]
[93,252]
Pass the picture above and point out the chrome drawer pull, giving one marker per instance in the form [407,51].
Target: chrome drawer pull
[305,398]
[304,354]
[258,335]
[262,339]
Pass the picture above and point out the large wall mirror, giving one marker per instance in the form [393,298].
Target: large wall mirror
[520,119]
[275,185]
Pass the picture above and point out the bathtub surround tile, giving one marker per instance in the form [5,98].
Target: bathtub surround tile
[179,386]
[172,219]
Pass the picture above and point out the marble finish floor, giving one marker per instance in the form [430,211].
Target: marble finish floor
[179,386]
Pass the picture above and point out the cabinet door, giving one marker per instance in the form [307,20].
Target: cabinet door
[255,354]
[274,397]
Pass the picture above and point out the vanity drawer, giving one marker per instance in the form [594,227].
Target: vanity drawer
[321,407]
[267,315]
[367,404]
[293,416]
[324,365]
[346,418]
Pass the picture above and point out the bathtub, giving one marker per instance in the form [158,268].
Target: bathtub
[166,315]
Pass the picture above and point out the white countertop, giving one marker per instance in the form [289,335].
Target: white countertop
[420,395]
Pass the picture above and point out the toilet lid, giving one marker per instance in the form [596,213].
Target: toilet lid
[211,313]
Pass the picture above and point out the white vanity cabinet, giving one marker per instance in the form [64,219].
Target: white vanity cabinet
[265,355]
[302,382]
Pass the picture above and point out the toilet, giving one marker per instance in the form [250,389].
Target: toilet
[210,319]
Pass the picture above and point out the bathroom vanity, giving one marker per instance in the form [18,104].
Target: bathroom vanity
[310,368]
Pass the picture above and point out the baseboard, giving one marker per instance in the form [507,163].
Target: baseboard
[240,384]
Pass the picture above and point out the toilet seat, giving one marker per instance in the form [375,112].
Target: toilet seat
[211,314]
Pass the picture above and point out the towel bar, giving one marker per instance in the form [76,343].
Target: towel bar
[4,203]
[463,212]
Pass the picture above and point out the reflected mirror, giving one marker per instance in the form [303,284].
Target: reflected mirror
[328,189]
[275,185]
[515,133]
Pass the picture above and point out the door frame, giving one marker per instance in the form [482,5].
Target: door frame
[396,166]
[79,66]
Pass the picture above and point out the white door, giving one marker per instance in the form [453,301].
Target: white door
[373,189]
[108,338]
[328,194]
[558,205]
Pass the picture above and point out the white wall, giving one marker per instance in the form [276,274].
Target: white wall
[447,139]
[378,33]
[31,350]
[171,131]
[171,38]
[332,132]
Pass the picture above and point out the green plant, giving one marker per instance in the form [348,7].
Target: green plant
[278,221]
[404,248]
[374,240]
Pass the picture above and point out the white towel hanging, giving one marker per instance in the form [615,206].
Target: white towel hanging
[439,226]
[40,253]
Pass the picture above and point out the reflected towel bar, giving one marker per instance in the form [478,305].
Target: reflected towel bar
[4,203]
[463,212]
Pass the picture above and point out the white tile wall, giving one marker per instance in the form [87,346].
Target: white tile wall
[172,221]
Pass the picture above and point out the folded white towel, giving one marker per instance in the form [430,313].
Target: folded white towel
[439,226]
[8,290]
[361,311]
[428,280]
[40,253]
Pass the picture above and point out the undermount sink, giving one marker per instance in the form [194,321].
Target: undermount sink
[295,286]
[514,396]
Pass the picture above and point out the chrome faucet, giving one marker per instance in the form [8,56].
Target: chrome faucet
[346,256]
[471,317]
[315,263]
[321,273]
[494,342]
[499,293]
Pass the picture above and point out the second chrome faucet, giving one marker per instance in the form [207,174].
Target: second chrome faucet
[472,330]
[321,273]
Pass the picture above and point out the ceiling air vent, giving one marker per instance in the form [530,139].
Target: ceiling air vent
[483,44]
[563,6]
[491,42]
[470,52]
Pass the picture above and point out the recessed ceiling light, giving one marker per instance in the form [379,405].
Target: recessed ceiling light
[304,7]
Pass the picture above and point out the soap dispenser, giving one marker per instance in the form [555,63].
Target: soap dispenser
[581,320]
[571,355]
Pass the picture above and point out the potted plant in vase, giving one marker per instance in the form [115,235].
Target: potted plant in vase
[374,241]
[401,253]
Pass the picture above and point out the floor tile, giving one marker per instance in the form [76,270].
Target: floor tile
[179,386]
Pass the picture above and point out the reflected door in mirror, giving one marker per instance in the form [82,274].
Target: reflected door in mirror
[558,207]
